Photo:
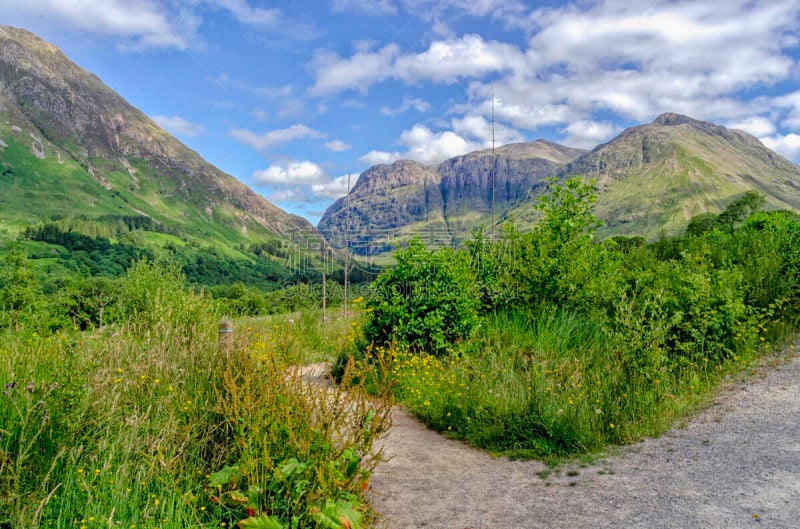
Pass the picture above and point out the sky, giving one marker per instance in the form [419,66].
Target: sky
[292,96]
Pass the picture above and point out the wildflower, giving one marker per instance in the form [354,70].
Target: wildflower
[611,425]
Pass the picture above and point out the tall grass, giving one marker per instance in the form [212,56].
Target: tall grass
[131,427]
[548,383]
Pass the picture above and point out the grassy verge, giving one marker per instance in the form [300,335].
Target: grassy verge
[549,385]
[151,424]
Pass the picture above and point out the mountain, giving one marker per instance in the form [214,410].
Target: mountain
[443,203]
[655,177]
[70,146]
[651,179]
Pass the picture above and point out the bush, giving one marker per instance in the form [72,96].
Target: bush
[427,303]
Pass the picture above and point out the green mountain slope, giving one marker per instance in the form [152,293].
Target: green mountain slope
[654,178]
[70,146]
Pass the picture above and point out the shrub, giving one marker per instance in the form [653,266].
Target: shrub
[427,303]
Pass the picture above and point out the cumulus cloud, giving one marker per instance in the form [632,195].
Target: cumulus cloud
[445,61]
[791,104]
[139,23]
[618,57]
[291,173]
[274,137]
[438,11]
[479,130]
[787,145]
[587,134]
[178,125]
[148,24]
[380,157]
[608,58]
[416,103]
[364,68]
[757,126]
[337,146]
[335,189]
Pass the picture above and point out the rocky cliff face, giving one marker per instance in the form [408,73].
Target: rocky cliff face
[43,93]
[441,204]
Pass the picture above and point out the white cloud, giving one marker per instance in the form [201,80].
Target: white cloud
[291,173]
[788,145]
[139,23]
[274,137]
[365,7]
[334,189]
[467,134]
[445,61]
[416,103]
[757,126]
[335,74]
[609,58]
[479,130]
[379,157]
[272,19]
[337,146]
[178,125]
[432,147]
[791,103]
[587,134]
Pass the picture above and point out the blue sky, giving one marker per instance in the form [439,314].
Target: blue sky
[290,96]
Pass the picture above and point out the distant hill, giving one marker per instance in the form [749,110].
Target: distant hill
[71,147]
[655,177]
[651,178]
[443,203]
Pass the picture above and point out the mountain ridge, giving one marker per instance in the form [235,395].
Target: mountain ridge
[81,129]
[651,178]
[391,203]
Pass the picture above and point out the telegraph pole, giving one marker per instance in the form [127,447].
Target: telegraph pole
[346,244]
[494,164]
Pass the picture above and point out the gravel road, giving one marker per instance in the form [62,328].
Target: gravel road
[734,464]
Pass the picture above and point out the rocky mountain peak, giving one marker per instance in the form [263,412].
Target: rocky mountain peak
[671,119]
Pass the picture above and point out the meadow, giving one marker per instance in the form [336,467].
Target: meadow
[153,422]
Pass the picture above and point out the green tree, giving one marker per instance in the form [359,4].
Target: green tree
[429,302]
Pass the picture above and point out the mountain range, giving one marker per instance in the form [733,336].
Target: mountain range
[70,146]
[651,179]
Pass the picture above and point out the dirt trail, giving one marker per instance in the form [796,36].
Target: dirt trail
[737,459]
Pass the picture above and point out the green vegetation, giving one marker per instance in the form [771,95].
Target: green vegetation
[577,344]
[153,422]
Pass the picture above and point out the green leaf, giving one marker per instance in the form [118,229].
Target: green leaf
[292,466]
[338,515]
[224,476]
[261,522]
[237,497]
[253,492]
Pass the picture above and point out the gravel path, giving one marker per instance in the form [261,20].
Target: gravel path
[735,464]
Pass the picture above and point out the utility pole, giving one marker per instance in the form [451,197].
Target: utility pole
[346,243]
[324,283]
[494,164]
